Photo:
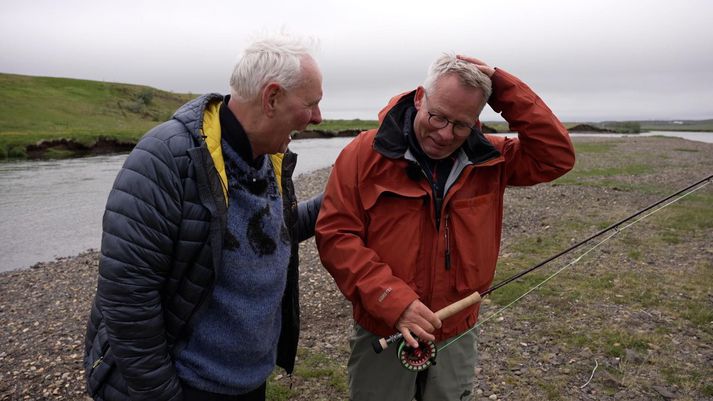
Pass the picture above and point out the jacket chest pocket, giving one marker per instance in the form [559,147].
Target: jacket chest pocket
[474,242]
[395,230]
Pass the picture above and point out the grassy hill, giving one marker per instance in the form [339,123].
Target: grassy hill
[41,108]
[36,109]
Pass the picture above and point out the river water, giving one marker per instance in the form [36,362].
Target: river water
[51,209]
[54,208]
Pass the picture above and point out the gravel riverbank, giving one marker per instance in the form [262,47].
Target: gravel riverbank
[634,314]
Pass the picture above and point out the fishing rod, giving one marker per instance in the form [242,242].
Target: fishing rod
[418,359]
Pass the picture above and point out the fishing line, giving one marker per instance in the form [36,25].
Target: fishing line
[616,231]
[417,359]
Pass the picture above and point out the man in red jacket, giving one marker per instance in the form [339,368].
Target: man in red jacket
[412,216]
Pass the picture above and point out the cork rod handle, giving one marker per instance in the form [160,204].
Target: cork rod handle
[448,311]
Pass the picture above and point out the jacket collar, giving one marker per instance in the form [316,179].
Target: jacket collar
[192,114]
[201,117]
[397,120]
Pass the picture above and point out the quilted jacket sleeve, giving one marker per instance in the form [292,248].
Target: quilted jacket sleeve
[307,212]
[140,225]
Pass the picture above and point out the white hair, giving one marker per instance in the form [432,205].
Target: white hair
[271,59]
[468,73]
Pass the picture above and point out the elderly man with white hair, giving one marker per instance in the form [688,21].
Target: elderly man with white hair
[197,297]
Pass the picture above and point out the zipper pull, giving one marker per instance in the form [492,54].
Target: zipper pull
[97,362]
[448,243]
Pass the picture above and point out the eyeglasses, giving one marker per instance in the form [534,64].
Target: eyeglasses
[459,129]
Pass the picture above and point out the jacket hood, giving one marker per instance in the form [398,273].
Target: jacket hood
[391,138]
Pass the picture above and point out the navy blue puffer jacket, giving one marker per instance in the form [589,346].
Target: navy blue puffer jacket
[161,248]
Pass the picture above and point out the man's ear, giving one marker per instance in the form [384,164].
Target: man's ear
[270,96]
[418,98]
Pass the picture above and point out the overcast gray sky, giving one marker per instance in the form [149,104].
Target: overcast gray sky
[590,60]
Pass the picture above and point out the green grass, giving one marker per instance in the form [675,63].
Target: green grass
[607,177]
[41,108]
[552,391]
[687,125]
[680,377]
[623,126]
[277,391]
[312,370]
[707,390]
[507,294]
[698,314]
[652,125]
[693,213]
[626,170]
[647,290]
[585,172]
[34,109]
[695,306]
[500,126]
[342,125]
[612,342]
[315,366]
[595,147]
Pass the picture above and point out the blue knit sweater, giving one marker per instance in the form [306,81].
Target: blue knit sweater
[233,346]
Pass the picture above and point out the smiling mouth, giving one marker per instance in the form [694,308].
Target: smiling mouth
[438,144]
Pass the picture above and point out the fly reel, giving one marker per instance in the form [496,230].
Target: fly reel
[417,359]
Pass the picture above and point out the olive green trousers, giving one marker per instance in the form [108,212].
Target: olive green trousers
[380,377]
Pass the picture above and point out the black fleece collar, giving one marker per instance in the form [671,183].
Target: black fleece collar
[234,134]
[392,137]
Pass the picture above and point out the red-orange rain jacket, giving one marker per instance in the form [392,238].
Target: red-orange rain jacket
[377,232]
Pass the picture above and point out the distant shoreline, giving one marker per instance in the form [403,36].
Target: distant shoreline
[72,148]
[55,118]
[69,148]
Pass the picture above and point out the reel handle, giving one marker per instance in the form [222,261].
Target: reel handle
[448,311]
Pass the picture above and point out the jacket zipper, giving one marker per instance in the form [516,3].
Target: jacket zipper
[99,361]
[447,234]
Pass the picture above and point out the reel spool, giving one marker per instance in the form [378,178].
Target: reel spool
[417,359]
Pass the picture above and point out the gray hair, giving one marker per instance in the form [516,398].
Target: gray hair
[271,59]
[468,74]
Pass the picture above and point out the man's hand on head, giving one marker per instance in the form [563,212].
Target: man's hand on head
[482,66]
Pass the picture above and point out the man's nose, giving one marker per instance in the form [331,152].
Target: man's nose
[446,133]
[316,116]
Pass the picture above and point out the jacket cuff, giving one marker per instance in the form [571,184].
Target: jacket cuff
[392,307]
